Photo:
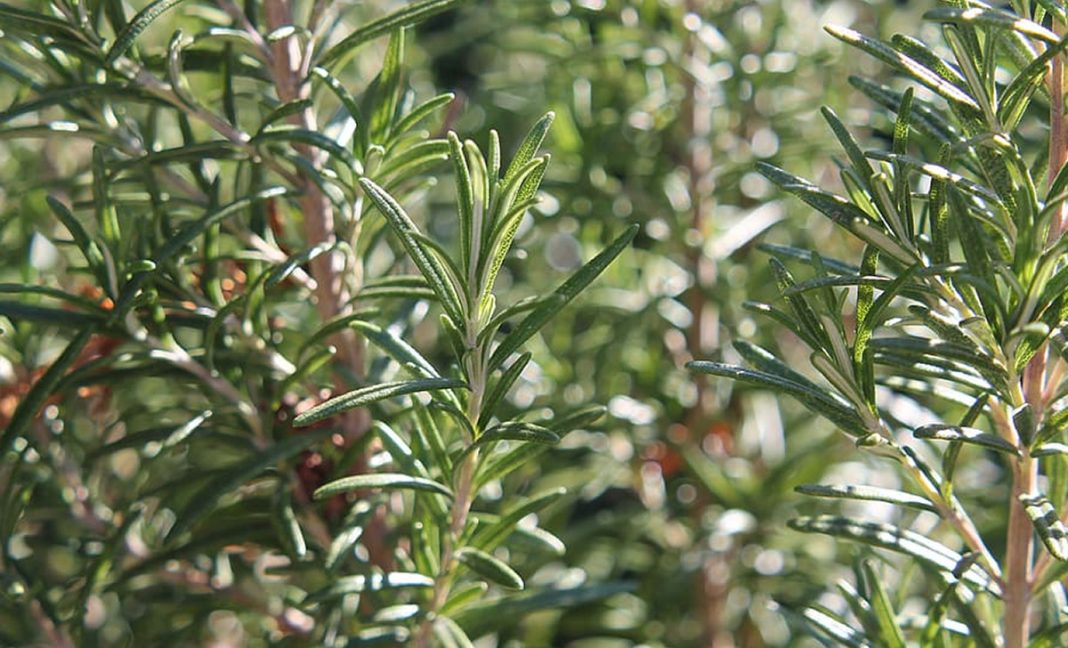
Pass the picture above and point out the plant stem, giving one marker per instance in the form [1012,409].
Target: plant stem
[1019,543]
[461,507]
[1036,391]
[1019,554]
[337,274]
[713,580]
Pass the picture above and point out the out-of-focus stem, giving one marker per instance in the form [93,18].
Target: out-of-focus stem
[712,584]
[336,275]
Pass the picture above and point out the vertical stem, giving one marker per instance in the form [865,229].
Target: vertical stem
[1019,555]
[461,506]
[336,276]
[1020,543]
[713,579]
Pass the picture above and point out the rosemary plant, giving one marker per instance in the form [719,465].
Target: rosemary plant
[215,199]
[952,347]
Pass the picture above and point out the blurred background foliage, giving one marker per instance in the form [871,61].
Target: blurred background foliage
[662,109]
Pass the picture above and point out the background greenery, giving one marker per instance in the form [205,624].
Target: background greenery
[681,494]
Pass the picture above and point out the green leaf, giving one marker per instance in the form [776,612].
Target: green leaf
[19,311]
[905,64]
[372,394]
[140,23]
[926,551]
[405,162]
[388,88]
[286,524]
[285,110]
[286,268]
[464,594]
[528,148]
[860,163]
[487,616]
[291,134]
[819,401]
[233,477]
[487,538]
[373,583]
[191,153]
[552,305]
[1017,95]
[409,15]
[500,465]
[450,634]
[422,111]
[890,631]
[431,441]
[502,233]
[501,387]
[343,95]
[388,481]
[834,628]
[465,198]
[1049,449]
[1047,524]
[67,93]
[538,541]
[34,24]
[940,432]
[996,18]
[518,431]
[938,172]
[924,117]
[490,568]
[868,493]
[396,348]
[32,402]
[166,436]
[429,266]
[836,208]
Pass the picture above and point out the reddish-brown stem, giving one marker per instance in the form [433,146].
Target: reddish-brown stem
[336,275]
[1019,573]
[1019,555]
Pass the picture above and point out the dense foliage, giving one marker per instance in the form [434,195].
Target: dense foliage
[962,352]
[369,323]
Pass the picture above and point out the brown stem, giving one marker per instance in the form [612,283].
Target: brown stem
[336,274]
[713,581]
[1039,386]
[1019,554]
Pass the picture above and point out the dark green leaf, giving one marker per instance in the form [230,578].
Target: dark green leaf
[233,477]
[409,15]
[490,568]
[372,394]
[32,402]
[388,481]
[434,273]
[140,23]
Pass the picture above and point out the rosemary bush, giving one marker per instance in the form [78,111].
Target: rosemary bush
[942,347]
[663,109]
[216,424]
